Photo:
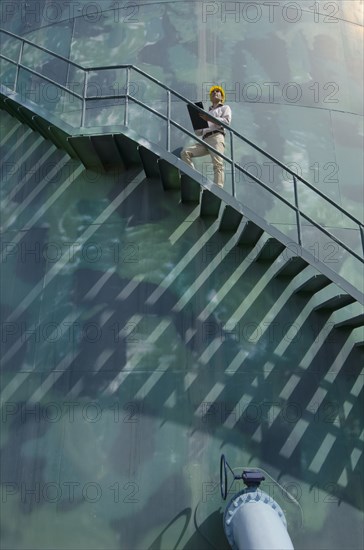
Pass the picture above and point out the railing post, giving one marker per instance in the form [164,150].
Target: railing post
[361,229]
[126,112]
[84,97]
[18,65]
[232,164]
[298,219]
[168,120]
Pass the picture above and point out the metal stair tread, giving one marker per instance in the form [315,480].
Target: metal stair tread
[210,204]
[335,302]
[212,198]
[170,175]
[230,219]
[190,189]
[149,161]
[86,152]
[313,284]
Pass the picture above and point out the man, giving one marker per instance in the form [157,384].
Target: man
[214,135]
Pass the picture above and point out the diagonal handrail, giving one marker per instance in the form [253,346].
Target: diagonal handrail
[129,98]
[168,89]
[176,94]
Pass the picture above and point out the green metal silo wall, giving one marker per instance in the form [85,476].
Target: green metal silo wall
[137,342]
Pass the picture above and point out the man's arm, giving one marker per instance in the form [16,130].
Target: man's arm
[226,116]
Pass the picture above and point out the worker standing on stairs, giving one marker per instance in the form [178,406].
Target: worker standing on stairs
[214,135]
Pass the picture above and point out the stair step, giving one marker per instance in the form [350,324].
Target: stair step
[149,162]
[190,189]
[270,250]
[314,284]
[19,115]
[86,152]
[12,108]
[55,139]
[250,235]
[353,322]
[128,149]
[230,219]
[292,267]
[62,137]
[336,302]
[3,100]
[210,205]
[28,117]
[170,175]
[42,126]
[107,151]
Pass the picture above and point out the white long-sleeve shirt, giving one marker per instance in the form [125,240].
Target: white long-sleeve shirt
[221,112]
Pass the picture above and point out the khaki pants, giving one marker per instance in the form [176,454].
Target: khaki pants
[217,141]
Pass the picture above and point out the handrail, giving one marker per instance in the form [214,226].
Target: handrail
[185,100]
[54,54]
[64,88]
[170,92]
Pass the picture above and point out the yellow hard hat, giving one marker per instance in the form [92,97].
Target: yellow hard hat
[213,88]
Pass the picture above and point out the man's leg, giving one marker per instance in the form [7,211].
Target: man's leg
[196,150]
[217,141]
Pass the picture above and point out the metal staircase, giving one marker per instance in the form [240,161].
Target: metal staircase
[324,304]
[120,147]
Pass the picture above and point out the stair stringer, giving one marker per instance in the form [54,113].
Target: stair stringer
[80,144]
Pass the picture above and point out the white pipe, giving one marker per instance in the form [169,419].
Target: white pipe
[254,521]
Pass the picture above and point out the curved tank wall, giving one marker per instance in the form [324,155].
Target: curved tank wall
[293,74]
[293,71]
[132,357]
[137,345]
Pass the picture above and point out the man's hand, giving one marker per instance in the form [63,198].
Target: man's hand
[205,117]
